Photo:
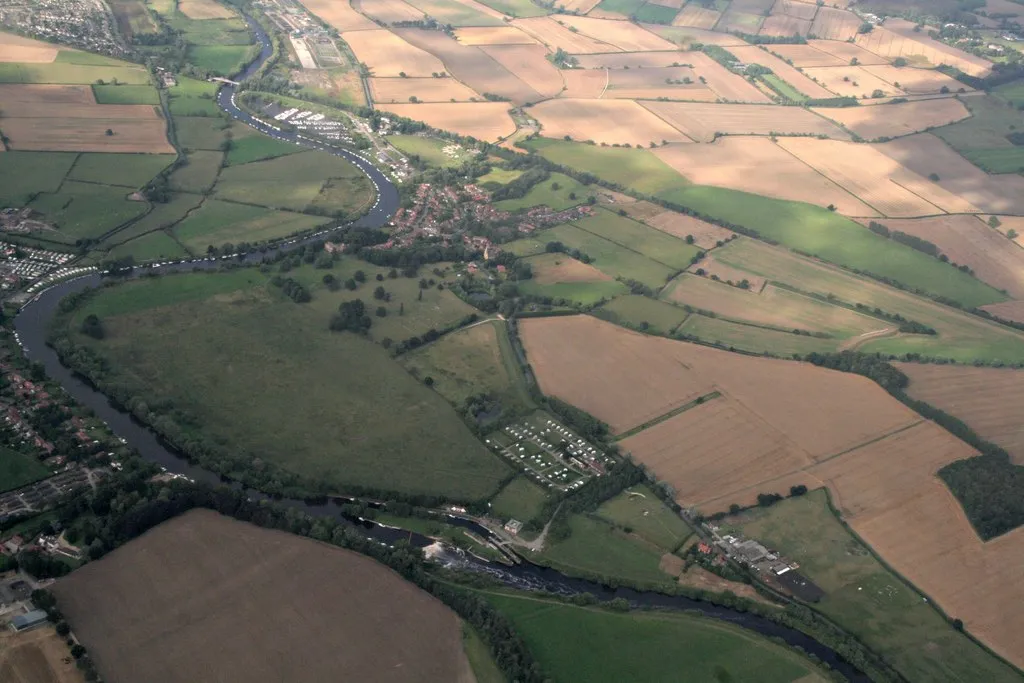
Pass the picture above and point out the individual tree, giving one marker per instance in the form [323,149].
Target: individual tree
[360,276]
[380,293]
[350,284]
[381,312]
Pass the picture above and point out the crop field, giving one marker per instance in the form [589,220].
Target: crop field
[126,170]
[623,35]
[863,596]
[729,86]
[960,336]
[487,121]
[642,312]
[68,73]
[835,24]
[889,494]
[753,339]
[958,178]
[320,405]
[553,34]
[15,48]
[966,240]
[702,121]
[738,163]
[843,51]
[983,137]
[390,11]
[493,35]
[772,307]
[562,277]
[898,39]
[340,15]
[650,242]
[67,118]
[217,222]
[987,399]
[404,90]
[36,656]
[611,258]
[852,81]
[895,120]
[297,181]
[652,83]
[879,180]
[274,583]
[468,363]
[811,229]
[696,16]
[604,121]
[529,63]
[648,646]
[458,13]
[804,56]
[472,65]
[386,54]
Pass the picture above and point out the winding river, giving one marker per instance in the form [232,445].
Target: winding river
[33,320]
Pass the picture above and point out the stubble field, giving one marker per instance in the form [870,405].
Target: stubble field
[895,120]
[15,48]
[608,121]
[210,598]
[488,121]
[701,121]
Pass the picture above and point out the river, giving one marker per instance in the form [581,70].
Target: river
[34,318]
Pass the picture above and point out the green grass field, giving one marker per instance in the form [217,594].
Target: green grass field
[87,210]
[255,370]
[990,122]
[199,174]
[584,293]
[783,88]
[544,193]
[298,182]
[480,659]
[516,8]
[626,8]
[599,646]
[1001,160]
[960,336]
[521,499]
[634,311]
[608,257]
[200,132]
[811,229]
[257,148]
[865,598]
[125,94]
[224,60]
[753,339]
[1013,93]
[651,13]
[23,174]
[640,512]
[153,246]
[217,222]
[630,234]
[68,73]
[125,170]
[163,216]
[467,363]
[191,97]
[18,469]
[500,176]
[430,150]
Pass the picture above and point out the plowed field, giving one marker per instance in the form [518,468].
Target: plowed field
[213,599]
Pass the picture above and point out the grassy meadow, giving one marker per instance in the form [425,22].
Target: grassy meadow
[600,646]
[18,469]
[557,192]
[124,170]
[24,174]
[249,367]
[643,313]
[751,338]
[864,597]
[521,499]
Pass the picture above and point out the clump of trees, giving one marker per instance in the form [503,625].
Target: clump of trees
[92,327]
[293,289]
[351,317]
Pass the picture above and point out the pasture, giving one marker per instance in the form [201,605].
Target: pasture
[864,596]
[469,362]
[316,403]
[557,192]
[521,499]
[19,469]
[25,174]
[153,246]
[648,646]
[644,313]
[199,174]
[125,94]
[638,511]
[274,583]
[985,398]
[86,210]
[753,339]
[216,222]
[431,150]
[125,170]
[223,60]
[192,98]
[983,137]
[635,236]
[257,148]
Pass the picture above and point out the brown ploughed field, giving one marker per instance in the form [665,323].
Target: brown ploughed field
[206,598]
[987,399]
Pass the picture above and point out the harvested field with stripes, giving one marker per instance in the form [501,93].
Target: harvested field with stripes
[585,83]
[705,235]
[549,269]
[555,35]
[739,163]
[486,121]
[987,399]
[610,121]
[756,55]
[851,81]
[654,83]
[784,25]
[741,22]
[388,55]
[340,15]
[898,39]
[685,36]
[399,90]
[624,35]
[493,35]
[835,24]
[529,64]
[916,81]
[727,85]
[695,16]
[804,56]
[389,11]
[845,51]
[792,8]
[895,120]
[700,121]
[876,179]
[581,6]
[634,60]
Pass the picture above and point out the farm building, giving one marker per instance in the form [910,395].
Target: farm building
[29,620]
